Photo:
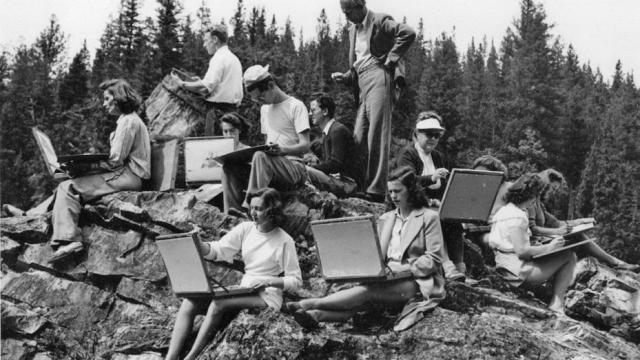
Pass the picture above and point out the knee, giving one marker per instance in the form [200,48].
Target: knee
[215,307]
[188,307]
[259,157]
[65,187]
[572,258]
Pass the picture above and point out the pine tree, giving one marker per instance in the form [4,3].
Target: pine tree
[167,38]
[74,86]
[440,89]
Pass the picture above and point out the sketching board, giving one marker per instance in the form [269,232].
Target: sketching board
[348,249]
[83,158]
[200,155]
[579,243]
[470,195]
[241,156]
[47,151]
[52,161]
[185,267]
[164,165]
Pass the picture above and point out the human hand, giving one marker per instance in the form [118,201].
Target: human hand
[261,284]
[338,77]
[556,243]
[275,150]
[440,173]
[563,230]
[389,65]
[310,159]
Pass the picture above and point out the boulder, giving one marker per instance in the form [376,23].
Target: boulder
[26,229]
[21,319]
[16,349]
[66,302]
[607,298]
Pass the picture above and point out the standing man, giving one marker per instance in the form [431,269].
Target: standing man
[377,44]
[284,120]
[222,84]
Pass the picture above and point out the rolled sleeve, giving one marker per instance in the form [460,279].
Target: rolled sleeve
[121,142]
[228,246]
[292,275]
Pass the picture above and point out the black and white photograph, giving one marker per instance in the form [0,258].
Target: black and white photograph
[419,179]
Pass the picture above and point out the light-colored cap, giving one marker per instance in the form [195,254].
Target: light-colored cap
[255,74]
[429,124]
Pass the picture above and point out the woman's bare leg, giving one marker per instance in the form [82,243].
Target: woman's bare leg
[215,313]
[593,249]
[341,305]
[561,267]
[181,328]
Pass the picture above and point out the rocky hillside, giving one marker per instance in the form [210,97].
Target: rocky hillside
[115,302]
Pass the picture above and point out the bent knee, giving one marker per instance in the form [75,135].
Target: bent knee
[260,156]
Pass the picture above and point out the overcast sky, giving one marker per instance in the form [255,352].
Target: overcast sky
[601,31]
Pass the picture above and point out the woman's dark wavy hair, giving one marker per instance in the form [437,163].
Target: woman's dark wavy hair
[527,187]
[491,163]
[271,202]
[126,98]
[236,121]
[407,177]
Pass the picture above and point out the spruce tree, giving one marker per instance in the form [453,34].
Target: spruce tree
[74,86]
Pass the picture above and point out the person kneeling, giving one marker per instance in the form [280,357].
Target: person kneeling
[266,250]
[510,239]
[411,239]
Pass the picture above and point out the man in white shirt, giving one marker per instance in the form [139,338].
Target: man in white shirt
[222,84]
[284,120]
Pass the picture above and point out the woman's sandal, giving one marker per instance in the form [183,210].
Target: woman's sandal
[306,320]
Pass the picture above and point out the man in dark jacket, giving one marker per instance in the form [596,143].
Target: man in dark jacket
[331,173]
[433,170]
[377,44]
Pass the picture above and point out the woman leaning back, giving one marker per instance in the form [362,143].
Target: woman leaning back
[510,239]
[411,239]
[266,250]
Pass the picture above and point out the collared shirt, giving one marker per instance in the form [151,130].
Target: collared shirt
[428,168]
[394,251]
[362,45]
[327,126]
[224,77]
[130,146]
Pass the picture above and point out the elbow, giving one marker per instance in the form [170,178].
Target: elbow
[291,283]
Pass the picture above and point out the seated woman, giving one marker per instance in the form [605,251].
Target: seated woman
[234,126]
[510,239]
[129,163]
[266,250]
[411,238]
[544,224]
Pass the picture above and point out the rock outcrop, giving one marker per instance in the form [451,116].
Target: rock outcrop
[114,301]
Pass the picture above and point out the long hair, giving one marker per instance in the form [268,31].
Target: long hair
[491,163]
[407,177]
[271,202]
[527,187]
[126,98]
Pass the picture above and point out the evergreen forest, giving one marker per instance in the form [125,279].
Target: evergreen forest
[526,98]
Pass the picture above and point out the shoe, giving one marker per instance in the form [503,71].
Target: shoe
[451,273]
[377,198]
[306,320]
[291,307]
[65,251]
[627,267]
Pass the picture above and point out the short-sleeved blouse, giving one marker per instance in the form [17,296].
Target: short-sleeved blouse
[508,217]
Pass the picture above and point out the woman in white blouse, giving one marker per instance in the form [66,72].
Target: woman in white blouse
[129,163]
[267,252]
[510,239]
